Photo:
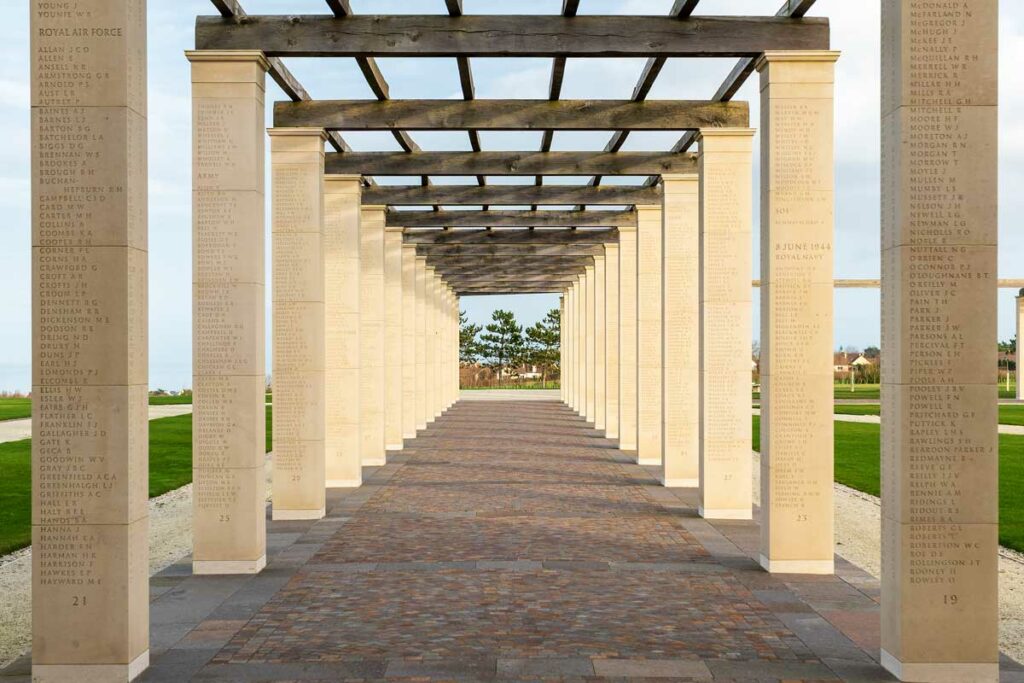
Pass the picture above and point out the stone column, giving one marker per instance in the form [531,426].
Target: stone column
[299,476]
[939,421]
[342,431]
[680,417]
[452,348]
[408,341]
[561,347]
[1017,355]
[439,287]
[611,340]
[591,367]
[569,372]
[371,336]
[796,311]
[581,345]
[421,342]
[725,322]
[599,344]
[90,597]
[229,347]
[429,305]
[393,338]
[627,339]
[648,332]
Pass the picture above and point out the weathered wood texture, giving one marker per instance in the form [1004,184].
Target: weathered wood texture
[510,219]
[478,251]
[511,236]
[511,195]
[510,163]
[475,114]
[511,36]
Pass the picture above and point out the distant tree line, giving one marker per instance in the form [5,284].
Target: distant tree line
[504,346]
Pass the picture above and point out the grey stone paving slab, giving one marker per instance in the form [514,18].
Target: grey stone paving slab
[723,668]
[291,672]
[822,637]
[175,666]
[193,599]
[546,666]
[652,668]
[471,669]
[858,671]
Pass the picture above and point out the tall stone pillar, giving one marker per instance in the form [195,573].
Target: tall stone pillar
[373,397]
[725,322]
[611,340]
[429,306]
[680,410]
[627,339]
[1017,355]
[393,439]
[299,476]
[939,421]
[90,597]
[569,372]
[342,431]
[408,341]
[599,343]
[591,368]
[421,342]
[561,347]
[229,347]
[796,311]
[581,346]
[648,332]
[451,348]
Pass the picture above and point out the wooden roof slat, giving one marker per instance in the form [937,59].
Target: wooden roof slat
[510,163]
[511,36]
[341,8]
[512,219]
[510,195]
[545,236]
[477,251]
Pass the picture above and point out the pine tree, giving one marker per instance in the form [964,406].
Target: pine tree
[503,342]
[543,340]
[469,346]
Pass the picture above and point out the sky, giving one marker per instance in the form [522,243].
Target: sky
[855,32]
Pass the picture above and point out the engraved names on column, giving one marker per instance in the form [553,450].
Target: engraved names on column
[393,338]
[648,321]
[591,367]
[725,168]
[90,607]
[627,339]
[600,282]
[421,342]
[611,335]
[371,330]
[939,433]
[409,342]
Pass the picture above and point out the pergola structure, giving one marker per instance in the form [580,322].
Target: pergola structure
[655,281]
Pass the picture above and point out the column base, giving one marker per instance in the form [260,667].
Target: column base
[375,462]
[798,566]
[90,673]
[725,513]
[285,515]
[680,483]
[394,447]
[216,567]
[344,483]
[411,435]
[648,461]
[421,427]
[941,672]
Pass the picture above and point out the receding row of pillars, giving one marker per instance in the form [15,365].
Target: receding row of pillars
[675,301]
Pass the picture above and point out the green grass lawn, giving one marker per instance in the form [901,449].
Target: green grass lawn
[1009,414]
[15,408]
[170,467]
[526,386]
[858,465]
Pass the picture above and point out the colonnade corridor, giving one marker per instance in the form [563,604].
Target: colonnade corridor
[510,540]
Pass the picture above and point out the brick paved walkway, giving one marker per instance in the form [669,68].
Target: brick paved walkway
[512,542]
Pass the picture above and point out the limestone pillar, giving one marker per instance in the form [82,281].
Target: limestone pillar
[939,420]
[648,332]
[408,341]
[90,597]
[421,342]
[299,476]
[599,344]
[627,339]
[611,340]
[393,338]
[591,367]
[228,354]
[725,322]
[1017,354]
[342,430]
[581,346]
[569,371]
[373,396]
[429,305]
[680,410]
[561,347]
[796,311]
[451,348]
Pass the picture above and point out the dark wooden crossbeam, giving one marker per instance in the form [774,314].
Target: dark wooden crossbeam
[510,219]
[511,36]
[497,264]
[532,280]
[506,251]
[510,236]
[510,163]
[469,290]
[511,114]
[510,195]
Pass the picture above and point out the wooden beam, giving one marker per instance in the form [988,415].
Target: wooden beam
[522,289]
[510,163]
[471,114]
[509,236]
[510,219]
[498,264]
[341,8]
[511,36]
[454,7]
[511,195]
[507,251]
